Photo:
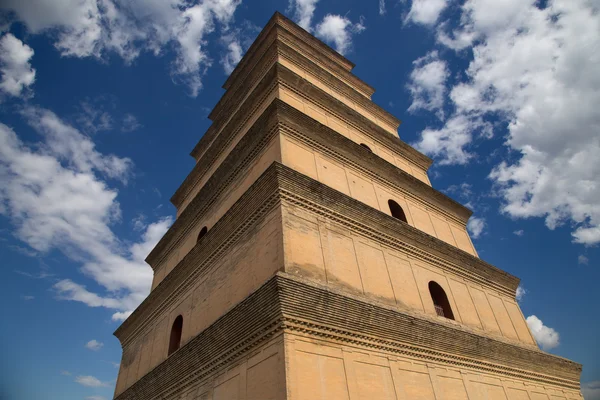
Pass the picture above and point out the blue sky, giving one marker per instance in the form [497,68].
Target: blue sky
[101,102]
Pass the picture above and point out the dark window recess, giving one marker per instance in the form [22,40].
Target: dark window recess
[440,300]
[397,211]
[176,330]
[366,147]
[202,233]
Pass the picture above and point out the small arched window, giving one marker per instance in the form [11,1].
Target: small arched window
[202,233]
[397,211]
[366,147]
[440,300]
[176,330]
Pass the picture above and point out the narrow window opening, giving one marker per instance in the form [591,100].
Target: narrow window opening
[397,211]
[176,330]
[440,300]
[366,147]
[202,233]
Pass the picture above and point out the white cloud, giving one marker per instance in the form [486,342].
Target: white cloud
[533,72]
[303,12]
[476,226]
[15,69]
[583,260]
[426,12]
[130,123]
[57,197]
[121,316]
[95,398]
[94,345]
[90,381]
[427,84]
[449,143]
[65,373]
[519,232]
[334,29]
[95,28]
[233,55]
[591,390]
[521,292]
[382,7]
[27,297]
[68,144]
[338,30]
[93,118]
[546,337]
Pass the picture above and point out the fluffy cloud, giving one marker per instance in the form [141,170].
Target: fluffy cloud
[382,10]
[583,260]
[426,12]
[58,197]
[338,30]
[95,28]
[15,69]
[449,143]
[519,232]
[532,72]
[90,381]
[233,56]
[476,226]
[334,29]
[521,292]
[546,337]
[427,84]
[303,12]
[94,345]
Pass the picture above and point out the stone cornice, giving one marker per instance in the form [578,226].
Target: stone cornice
[238,92]
[220,142]
[291,305]
[305,192]
[282,184]
[317,308]
[316,135]
[218,138]
[249,210]
[295,123]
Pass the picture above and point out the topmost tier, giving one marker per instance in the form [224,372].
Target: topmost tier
[304,43]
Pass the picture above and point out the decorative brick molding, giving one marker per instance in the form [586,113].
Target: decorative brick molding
[279,183]
[289,304]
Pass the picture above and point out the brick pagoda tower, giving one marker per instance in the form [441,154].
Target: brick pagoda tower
[312,259]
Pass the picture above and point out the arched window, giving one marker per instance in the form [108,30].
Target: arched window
[397,211]
[366,147]
[176,330]
[440,300]
[202,233]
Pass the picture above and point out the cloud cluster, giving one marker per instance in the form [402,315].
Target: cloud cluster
[534,75]
[98,28]
[16,73]
[427,84]
[521,292]
[335,29]
[546,337]
[476,225]
[90,381]
[94,345]
[426,12]
[338,30]
[303,12]
[58,196]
